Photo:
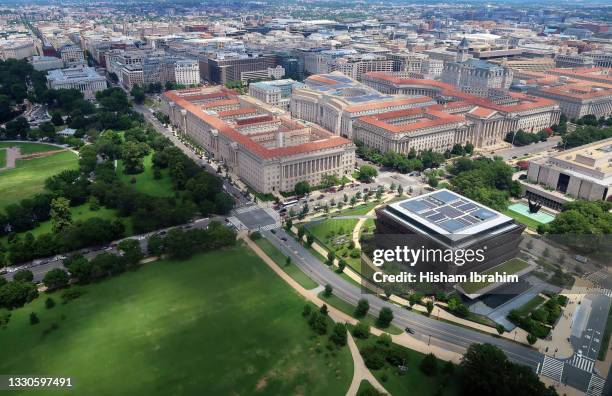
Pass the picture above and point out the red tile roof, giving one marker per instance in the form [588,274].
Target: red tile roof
[429,118]
[245,141]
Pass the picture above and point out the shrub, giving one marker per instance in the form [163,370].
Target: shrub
[373,357]
[361,330]
[34,318]
[363,306]
[429,365]
[49,303]
[328,290]
[307,310]
[338,334]
[72,294]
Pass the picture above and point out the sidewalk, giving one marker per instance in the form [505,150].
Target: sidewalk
[360,371]
[339,316]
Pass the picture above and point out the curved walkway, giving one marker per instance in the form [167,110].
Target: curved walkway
[360,371]
[12,153]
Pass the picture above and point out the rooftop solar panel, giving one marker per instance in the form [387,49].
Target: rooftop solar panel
[428,213]
[436,217]
[445,196]
[483,214]
[470,219]
[450,212]
[467,207]
[415,206]
[458,203]
[452,225]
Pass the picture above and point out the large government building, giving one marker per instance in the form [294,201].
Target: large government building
[270,153]
[584,172]
[336,101]
[484,122]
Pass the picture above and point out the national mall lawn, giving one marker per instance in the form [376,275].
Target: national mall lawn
[218,323]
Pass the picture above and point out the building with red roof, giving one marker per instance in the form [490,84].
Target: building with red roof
[270,153]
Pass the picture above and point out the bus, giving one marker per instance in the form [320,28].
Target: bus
[290,203]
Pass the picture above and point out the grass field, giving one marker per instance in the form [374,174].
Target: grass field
[82,212]
[349,309]
[2,157]
[292,270]
[531,305]
[328,232]
[510,267]
[220,323]
[145,182]
[30,147]
[530,223]
[413,381]
[28,177]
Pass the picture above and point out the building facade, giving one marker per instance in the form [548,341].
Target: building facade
[269,153]
[83,78]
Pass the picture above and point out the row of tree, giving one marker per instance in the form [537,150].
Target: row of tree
[488,181]
[410,162]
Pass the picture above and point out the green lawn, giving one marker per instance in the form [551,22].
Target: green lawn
[530,223]
[28,177]
[349,309]
[365,386]
[511,266]
[2,157]
[358,210]
[82,212]
[145,182]
[330,232]
[413,381]
[220,323]
[30,147]
[292,270]
[531,305]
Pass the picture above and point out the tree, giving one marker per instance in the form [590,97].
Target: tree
[302,188]
[367,173]
[15,294]
[531,339]
[56,118]
[34,318]
[307,310]
[500,329]
[429,365]
[338,335]
[487,371]
[132,154]
[61,218]
[361,330]
[363,306]
[324,310]
[328,290]
[23,275]
[138,94]
[385,317]
[55,279]
[430,306]
[49,303]
[132,253]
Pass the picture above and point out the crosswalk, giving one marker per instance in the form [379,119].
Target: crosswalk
[596,386]
[582,362]
[244,209]
[606,292]
[552,368]
[269,227]
[598,276]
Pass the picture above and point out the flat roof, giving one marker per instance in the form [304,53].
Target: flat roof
[450,214]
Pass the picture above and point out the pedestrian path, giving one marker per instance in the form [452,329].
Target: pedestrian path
[596,386]
[582,362]
[552,368]
[598,276]
[606,292]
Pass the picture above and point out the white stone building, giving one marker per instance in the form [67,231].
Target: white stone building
[83,78]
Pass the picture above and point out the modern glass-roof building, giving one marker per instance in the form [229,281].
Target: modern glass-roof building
[446,220]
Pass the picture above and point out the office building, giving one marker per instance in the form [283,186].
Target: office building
[276,92]
[583,172]
[83,78]
[269,153]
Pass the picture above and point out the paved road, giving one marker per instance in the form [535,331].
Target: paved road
[445,335]
[41,266]
[519,152]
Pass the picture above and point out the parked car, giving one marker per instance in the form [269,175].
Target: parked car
[409,330]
